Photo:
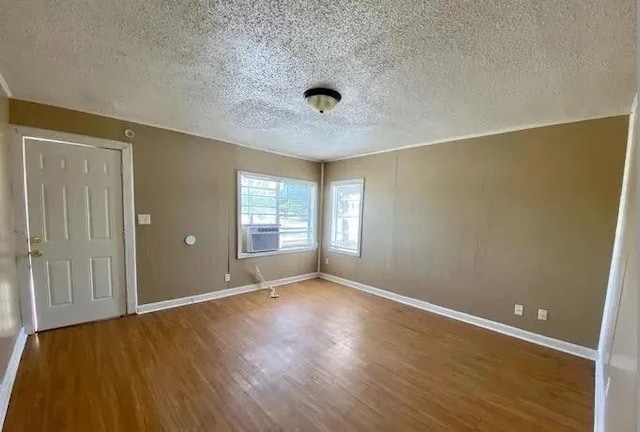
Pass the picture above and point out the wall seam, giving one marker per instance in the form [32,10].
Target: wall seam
[320,217]
[389,271]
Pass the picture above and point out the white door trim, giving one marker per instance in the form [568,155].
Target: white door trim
[616,274]
[614,285]
[27,300]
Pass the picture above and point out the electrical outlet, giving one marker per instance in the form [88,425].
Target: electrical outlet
[144,219]
[518,309]
[542,314]
[326,260]
[227,277]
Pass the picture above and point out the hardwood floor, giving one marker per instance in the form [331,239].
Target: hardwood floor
[322,357]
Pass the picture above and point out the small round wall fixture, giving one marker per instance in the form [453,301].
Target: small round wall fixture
[322,100]
[190,240]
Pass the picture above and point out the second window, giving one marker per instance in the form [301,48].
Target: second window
[346,216]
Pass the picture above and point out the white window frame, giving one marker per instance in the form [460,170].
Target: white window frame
[313,212]
[357,181]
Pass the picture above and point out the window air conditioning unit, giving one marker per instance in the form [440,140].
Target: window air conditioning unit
[263,238]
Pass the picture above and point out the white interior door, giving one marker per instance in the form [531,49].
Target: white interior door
[74,199]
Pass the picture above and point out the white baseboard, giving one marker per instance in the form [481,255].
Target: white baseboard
[10,374]
[168,304]
[528,336]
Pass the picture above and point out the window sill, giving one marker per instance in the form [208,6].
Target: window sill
[348,252]
[243,255]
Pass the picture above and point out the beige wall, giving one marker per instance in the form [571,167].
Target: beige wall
[481,224]
[188,185]
[474,225]
[10,321]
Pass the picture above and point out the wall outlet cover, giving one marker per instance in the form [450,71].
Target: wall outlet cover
[227,277]
[144,219]
[518,310]
[326,260]
[542,314]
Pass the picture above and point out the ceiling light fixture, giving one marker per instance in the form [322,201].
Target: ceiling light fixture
[322,100]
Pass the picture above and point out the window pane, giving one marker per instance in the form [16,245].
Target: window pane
[346,217]
[294,223]
[260,183]
[263,210]
[257,201]
[294,239]
[294,209]
[257,219]
[258,192]
[288,203]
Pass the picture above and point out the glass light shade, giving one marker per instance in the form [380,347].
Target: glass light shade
[321,103]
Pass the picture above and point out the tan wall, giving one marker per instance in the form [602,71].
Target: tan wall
[481,224]
[188,185]
[10,321]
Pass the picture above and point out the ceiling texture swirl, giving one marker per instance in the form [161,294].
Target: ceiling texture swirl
[409,72]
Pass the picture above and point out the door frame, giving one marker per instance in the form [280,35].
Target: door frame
[21,225]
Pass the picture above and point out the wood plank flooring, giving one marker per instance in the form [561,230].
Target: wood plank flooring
[322,357]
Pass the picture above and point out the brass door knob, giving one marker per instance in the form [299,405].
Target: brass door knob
[36,253]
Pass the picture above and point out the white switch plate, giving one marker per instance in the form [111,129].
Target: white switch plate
[144,219]
[227,277]
[326,260]
[518,309]
[542,314]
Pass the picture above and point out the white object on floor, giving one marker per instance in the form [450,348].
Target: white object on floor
[274,293]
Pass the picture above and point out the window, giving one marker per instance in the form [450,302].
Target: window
[346,216]
[275,214]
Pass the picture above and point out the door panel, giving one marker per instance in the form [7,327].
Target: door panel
[98,205]
[55,212]
[74,198]
[59,283]
[101,282]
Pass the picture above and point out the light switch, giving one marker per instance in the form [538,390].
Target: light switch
[144,219]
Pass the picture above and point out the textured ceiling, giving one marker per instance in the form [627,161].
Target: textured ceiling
[409,71]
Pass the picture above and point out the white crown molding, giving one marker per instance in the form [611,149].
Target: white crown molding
[132,122]
[476,135]
[183,301]
[5,87]
[10,374]
[515,332]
